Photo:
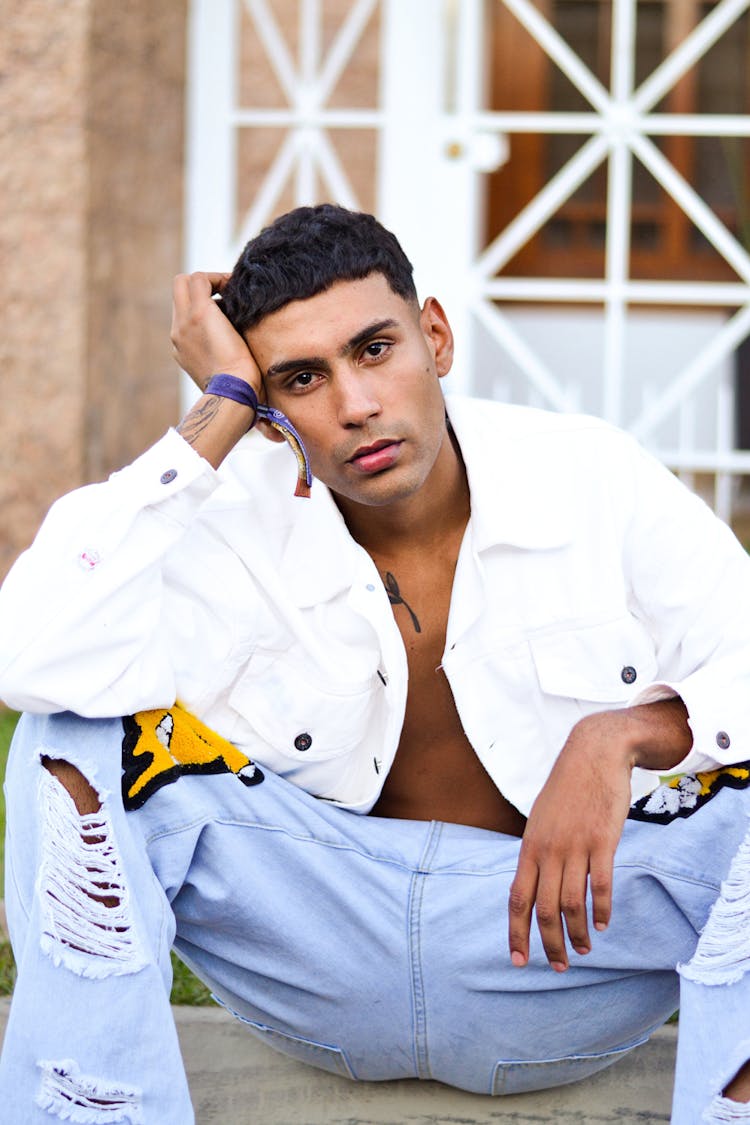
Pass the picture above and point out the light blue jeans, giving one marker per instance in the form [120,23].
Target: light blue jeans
[372,948]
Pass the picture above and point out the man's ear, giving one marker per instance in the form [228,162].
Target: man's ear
[438,334]
[269,431]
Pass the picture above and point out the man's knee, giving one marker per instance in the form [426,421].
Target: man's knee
[87,916]
[738,1089]
[84,795]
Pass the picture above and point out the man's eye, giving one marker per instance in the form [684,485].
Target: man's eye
[303,379]
[376,349]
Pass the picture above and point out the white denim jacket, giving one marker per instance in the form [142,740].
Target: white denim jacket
[589,578]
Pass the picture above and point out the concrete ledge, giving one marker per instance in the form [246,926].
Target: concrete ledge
[236,1080]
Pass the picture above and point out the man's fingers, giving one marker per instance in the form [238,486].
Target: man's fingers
[200,287]
[549,917]
[180,302]
[203,284]
[600,880]
[520,905]
[218,281]
[573,905]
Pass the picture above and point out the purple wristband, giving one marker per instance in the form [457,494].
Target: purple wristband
[229,386]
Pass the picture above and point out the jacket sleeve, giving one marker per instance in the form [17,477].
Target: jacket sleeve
[690,582]
[80,611]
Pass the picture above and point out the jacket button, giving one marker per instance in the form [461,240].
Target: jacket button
[303,741]
[168,477]
[628,674]
[723,740]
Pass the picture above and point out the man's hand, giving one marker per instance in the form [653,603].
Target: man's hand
[576,822]
[204,343]
[569,843]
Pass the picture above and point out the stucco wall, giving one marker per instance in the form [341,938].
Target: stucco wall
[91,172]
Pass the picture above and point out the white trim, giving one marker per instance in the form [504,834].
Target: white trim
[692,204]
[559,51]
[633,292]
[692,48]
[539,376]
[343,47]
[434,139]
[210,157]
[275,47]
[719,347]
[535,214]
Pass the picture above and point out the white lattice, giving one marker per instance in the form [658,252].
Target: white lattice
[433,133]
[306,79]
[621,124]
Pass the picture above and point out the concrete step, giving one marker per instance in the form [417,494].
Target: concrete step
[235,1080]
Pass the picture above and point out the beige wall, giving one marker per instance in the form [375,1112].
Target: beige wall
[91,169]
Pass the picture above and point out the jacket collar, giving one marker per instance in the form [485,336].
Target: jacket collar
[320,559]
[520,491]
[520,496]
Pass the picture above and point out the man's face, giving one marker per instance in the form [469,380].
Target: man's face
[356,370]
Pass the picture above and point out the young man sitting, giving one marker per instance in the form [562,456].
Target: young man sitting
[371,729]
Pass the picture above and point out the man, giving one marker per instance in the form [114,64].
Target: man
[368,732]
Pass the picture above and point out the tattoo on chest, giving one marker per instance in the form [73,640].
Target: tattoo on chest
[394,597]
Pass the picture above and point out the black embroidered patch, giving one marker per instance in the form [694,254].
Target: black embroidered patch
[161,746]
[682,796]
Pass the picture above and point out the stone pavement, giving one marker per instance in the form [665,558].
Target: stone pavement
[237,1081]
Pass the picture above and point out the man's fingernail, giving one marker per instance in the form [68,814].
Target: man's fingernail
[558,966]
[582,949]
[600,926]
[518,959]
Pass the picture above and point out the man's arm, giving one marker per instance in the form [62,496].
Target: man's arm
[564,853]
[204,343]
[81,611]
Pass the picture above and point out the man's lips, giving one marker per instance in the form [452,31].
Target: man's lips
[379,455]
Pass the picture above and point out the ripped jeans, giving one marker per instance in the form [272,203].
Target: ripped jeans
[372,948]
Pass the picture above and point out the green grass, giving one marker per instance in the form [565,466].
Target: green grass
[186,988]
[8,720]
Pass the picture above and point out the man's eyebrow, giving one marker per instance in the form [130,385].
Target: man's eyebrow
[365,334]
[301,364]
[285,366]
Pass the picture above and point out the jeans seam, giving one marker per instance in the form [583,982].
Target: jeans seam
[419,1007]
[10,869]
[403,865]
[709,883]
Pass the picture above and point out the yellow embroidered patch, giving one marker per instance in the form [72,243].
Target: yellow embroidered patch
[683,795]
[161,746]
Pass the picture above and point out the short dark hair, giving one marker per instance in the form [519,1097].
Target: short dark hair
[307,251]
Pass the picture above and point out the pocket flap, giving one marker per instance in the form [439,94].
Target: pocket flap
[295,715]
[607,662]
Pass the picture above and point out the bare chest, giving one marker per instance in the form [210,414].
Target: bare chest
[436,774]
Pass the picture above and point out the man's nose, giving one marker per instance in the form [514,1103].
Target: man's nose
[357,400]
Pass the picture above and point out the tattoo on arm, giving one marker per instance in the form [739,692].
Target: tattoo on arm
[394,597]
[195,421]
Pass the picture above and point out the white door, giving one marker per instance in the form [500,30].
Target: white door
[393,106]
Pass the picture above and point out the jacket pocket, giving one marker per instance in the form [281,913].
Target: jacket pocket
[606,663]
[299,718]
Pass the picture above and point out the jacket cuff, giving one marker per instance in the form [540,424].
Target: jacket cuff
[170,476]
[712,745]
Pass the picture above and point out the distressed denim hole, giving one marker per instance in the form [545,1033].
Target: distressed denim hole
[87,922]
[72,1096]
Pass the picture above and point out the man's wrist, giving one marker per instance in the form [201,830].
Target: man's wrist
[610,734]
[662,733]
[238,390]
[651,736]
